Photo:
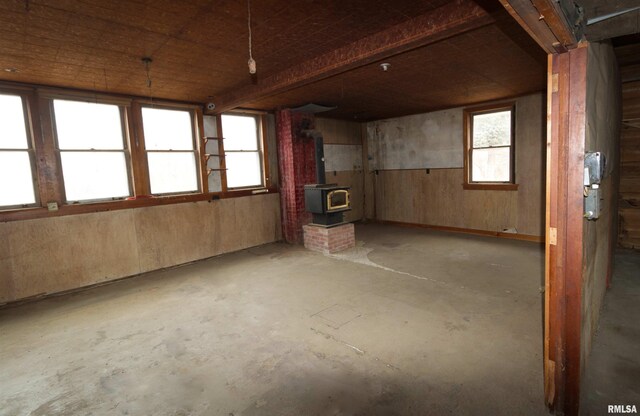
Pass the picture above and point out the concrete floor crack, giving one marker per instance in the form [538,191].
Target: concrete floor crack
[360,255]
[353,347]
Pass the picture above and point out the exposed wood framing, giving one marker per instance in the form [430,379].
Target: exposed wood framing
[563,273]
[545,21]
[451,19]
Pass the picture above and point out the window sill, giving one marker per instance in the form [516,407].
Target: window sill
[86,208]
[249,191]
[490,186]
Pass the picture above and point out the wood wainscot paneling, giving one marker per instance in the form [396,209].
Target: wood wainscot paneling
[437,197]
[57,254]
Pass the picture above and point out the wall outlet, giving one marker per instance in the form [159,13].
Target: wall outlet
[52,206]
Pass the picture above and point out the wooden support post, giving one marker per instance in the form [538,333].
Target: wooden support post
[563,272]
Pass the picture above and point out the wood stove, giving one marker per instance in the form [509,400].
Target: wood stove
[327,202]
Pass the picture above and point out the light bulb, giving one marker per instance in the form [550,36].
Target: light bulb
[252,66]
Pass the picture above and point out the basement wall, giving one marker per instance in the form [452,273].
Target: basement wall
[343,151]
[436,197]
[56,254]
[603,121]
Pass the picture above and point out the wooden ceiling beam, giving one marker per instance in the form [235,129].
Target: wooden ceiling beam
[546,22]
[446,21]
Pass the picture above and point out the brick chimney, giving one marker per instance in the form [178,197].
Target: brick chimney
[296,158]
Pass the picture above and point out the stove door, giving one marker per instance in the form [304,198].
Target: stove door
[337,200]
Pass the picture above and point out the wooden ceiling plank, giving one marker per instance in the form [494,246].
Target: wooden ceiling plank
[454,18]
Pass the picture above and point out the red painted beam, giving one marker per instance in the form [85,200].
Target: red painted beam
[443,22]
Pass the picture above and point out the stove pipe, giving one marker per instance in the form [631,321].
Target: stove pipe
[318,143]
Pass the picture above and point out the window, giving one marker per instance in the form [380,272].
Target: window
[91,160]
[242,150]
[490,147]
[16,171]
[171,154]
[90,140]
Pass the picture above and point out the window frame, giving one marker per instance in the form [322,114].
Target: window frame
[126,146]
[468,116]
[196,137]
[262,151]
[47,171]
[31,149]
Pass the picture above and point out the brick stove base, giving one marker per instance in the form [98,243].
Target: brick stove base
[329,240]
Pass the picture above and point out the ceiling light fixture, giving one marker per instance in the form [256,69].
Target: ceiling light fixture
[11,70]
[385,66]
[251,62]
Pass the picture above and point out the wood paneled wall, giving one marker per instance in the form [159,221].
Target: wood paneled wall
[342,132]
[57,254]
[602,132]
[435,197]
[629,197]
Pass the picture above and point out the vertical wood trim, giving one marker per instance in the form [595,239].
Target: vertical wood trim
[466,133]
[48,164]
[223,161]
[512,150]
[575,219]
[557,220]
[552,122]
[563,271]
[139,165]
[265,150]
[200,148]
[37,140]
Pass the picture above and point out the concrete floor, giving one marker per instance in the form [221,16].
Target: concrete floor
[411,322]
[613,369]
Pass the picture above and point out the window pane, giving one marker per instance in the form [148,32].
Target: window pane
[13,133]
[493,129]
[81,125]
[239,132]
[16,184]
[243,169]
[94,175]
[491,165]
[167,129]
[172,172]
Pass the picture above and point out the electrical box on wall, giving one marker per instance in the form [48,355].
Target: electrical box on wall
[594,171]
